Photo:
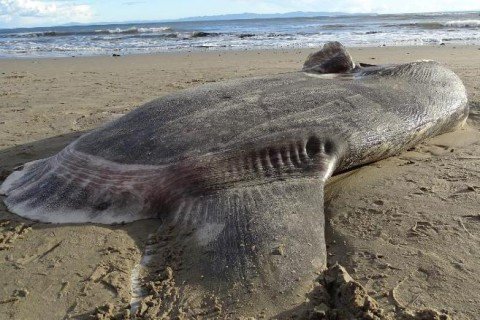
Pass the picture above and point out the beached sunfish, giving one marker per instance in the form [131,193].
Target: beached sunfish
[236,169]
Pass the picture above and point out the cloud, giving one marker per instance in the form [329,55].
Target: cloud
[398,6]
[357,6]
[42,12]
[132,3]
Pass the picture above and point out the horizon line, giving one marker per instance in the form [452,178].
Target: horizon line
[324,13]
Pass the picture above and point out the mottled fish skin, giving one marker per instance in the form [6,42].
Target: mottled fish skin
[367,115]
[236,169]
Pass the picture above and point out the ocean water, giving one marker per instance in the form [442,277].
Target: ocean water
[140,38]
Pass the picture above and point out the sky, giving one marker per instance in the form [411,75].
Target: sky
[29,13]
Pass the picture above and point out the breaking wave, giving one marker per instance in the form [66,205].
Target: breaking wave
[57,33]
[133,30]
[440,25]
[463,23]
[311,32]
[202,34]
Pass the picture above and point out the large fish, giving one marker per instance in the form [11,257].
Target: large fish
[236,169]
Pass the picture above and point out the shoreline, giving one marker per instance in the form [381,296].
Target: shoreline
[240,50]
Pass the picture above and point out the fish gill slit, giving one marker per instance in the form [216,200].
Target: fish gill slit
[257,162]
[286,159]
[279,160]
[275,158]
[275,161]
[302,153]
[313,146]
[294,155]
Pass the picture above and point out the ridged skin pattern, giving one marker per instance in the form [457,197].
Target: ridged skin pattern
[244,130]
[237,169]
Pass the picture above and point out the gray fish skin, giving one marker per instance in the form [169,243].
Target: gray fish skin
[236,169]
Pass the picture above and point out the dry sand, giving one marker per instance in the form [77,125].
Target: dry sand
[406,228]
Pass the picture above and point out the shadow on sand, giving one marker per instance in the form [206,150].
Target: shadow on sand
[14,157]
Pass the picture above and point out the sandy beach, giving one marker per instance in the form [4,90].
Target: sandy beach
[406,228]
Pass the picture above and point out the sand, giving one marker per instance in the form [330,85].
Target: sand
[407,229]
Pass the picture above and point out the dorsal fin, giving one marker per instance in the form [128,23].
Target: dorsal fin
[332,58]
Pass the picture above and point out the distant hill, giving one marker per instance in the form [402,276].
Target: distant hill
[236,16]
[241,16]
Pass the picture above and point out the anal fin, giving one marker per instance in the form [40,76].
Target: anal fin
[253,249]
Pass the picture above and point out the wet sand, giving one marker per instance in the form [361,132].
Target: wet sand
[407,228]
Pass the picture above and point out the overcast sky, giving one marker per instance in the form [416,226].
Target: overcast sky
[25,13]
